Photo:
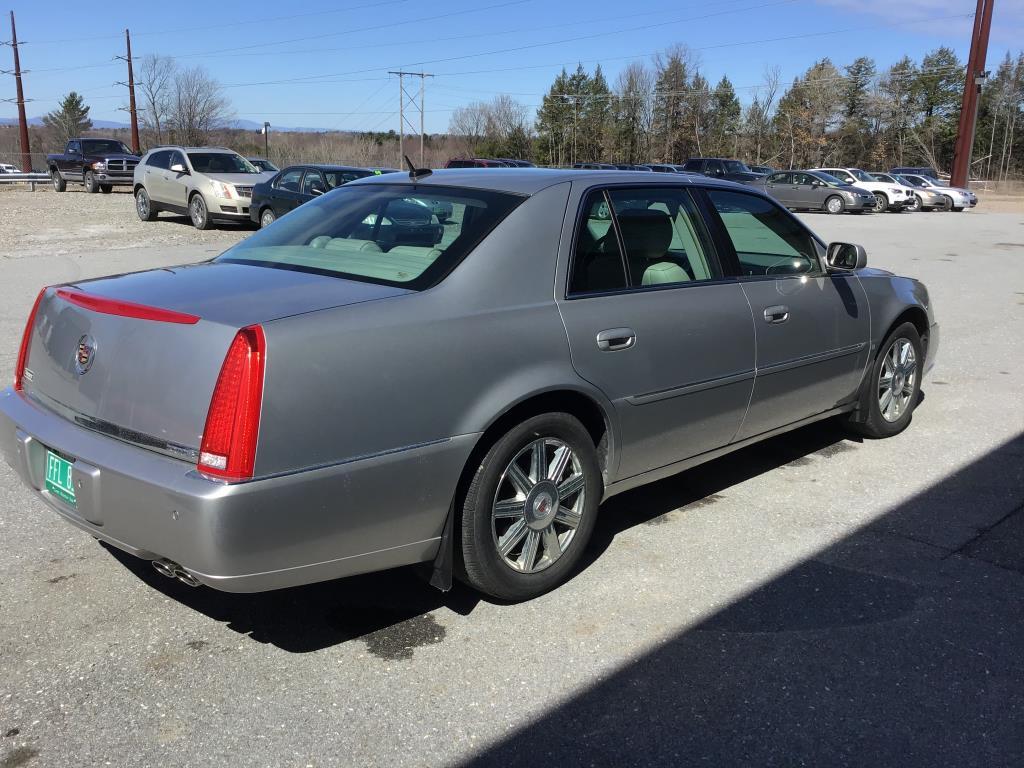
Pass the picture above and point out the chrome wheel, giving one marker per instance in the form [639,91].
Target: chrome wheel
[538,505]
[142,204]
[197,210]
[896,380]
[881,203]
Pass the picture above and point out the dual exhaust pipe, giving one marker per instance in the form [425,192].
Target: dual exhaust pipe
[172,570]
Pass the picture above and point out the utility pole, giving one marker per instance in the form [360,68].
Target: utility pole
[131,92]
[404,99]
[26,152]
[976,74]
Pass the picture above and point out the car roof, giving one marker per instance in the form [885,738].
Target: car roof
[329,167]
[527,181]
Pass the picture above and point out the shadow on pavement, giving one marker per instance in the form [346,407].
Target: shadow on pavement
[902,644]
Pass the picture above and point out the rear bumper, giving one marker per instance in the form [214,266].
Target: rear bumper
[354,517]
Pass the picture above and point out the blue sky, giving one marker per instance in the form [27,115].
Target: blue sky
[324,64]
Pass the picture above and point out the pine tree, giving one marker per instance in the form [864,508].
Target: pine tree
[71,119]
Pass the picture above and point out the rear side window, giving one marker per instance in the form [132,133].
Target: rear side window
[768,241]
[379,233]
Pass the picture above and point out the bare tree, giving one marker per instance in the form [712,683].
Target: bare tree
[156,84]
[469,121]
[198,106]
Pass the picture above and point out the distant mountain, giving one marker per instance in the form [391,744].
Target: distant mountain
[241,125]
[39,121]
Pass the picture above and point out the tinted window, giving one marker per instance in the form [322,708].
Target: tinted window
[289,180]
[313,183]
[597,263]
[160,159]
[767,240]
[379,233]
[692,165]
[104,147]
[663,236]
[74,148]
[176,158]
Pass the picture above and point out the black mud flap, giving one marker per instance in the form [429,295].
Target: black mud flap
[444,561]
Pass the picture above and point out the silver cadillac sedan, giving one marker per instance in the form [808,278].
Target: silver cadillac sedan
[351,390]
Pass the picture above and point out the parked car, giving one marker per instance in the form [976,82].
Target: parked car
[814,190]
[323,399]
[660,167]
[475,162]
[888,197]
[7,168]
[631,167]
[99,164]
[207,184]
[954,198]
[516,163]
[263,165]
[295,185]
[594,166]
[921,170]
[765,169]
[923,199]
[722,168]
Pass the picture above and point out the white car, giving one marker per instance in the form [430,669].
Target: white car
[888,197]
[6,168]
[957,198]
[922,199]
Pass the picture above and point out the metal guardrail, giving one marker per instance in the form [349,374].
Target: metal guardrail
[29,178]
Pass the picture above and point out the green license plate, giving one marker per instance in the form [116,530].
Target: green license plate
[59,481]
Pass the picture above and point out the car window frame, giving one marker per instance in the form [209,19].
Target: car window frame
[302,182]
[729,258]
[708,242]
[275,184]
[155,154]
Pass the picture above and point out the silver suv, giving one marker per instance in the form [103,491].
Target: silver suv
[206,184]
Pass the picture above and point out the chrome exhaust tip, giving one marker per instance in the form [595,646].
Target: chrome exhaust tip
[185,577]
[164,568]
[172,570]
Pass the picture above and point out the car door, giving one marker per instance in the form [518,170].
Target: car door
[71,164]
[804,193]
[287,190]
[813,326]
[779,186]
[646,306]
[176,183]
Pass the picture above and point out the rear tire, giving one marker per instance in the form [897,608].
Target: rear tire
[835,204]
[530,508]
[891,390]
[91,185]
[106,189]
[198,212]
[143,205]
[59,185]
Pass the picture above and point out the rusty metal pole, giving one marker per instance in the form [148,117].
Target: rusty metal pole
[26,152]
[960,173]
[131,95]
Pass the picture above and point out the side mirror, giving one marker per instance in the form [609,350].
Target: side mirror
[179,168]
[846,256]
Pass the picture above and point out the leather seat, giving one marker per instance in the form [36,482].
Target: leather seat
[647,235]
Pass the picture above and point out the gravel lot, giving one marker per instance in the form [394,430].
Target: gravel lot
[809,601]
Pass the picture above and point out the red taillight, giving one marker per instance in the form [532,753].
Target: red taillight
[228,449]
[26,341]
[125,308]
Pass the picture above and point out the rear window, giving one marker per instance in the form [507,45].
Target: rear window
[388,234]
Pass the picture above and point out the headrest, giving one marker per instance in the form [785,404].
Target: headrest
[647,233]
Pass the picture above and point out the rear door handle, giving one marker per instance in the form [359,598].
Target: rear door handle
[616,338]
[777,314]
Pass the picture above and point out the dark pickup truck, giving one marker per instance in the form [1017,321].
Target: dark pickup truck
[99,164]
[722,168]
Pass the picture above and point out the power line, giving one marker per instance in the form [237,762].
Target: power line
[405,99]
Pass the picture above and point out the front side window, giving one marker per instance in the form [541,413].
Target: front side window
[802,179]
[768,241]
[842,175]
[780,178]
[161,159]
[176,158]
[313,183]
[220,162]
[379,233]
[289,180]
[74,148]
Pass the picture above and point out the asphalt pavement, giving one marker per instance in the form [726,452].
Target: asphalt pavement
[813,600]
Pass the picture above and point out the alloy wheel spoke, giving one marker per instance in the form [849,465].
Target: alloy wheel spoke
[567,517]
[518,478]
[563,455]
[884,402]
[529,554]
[510,508]
[512,537]
[571,485]
[884,381]
[538,461]
[552,547]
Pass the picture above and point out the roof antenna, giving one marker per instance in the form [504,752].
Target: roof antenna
[416,173]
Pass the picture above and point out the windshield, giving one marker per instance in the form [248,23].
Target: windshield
[735,166]
[220,162]
[829,179]
[861,175]
[380,233]
[104,147]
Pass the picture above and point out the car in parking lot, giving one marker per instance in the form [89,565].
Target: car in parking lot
[263,165]
[763,169]
[295,185]
[8,168]
[888,197]
[207,184]
[336,394]
[475,162]
[924,199]
[955,198]
[722,168]
[817,191]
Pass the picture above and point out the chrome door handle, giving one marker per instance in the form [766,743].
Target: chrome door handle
[616,338]
[777,314]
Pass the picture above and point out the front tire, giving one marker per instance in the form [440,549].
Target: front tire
[881,203]
[143,205]
[59,185]
[835,205]
[106,189]
[893,387]
[947,203]
[530,508]
[91,185]
[915,205]
[198,212]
